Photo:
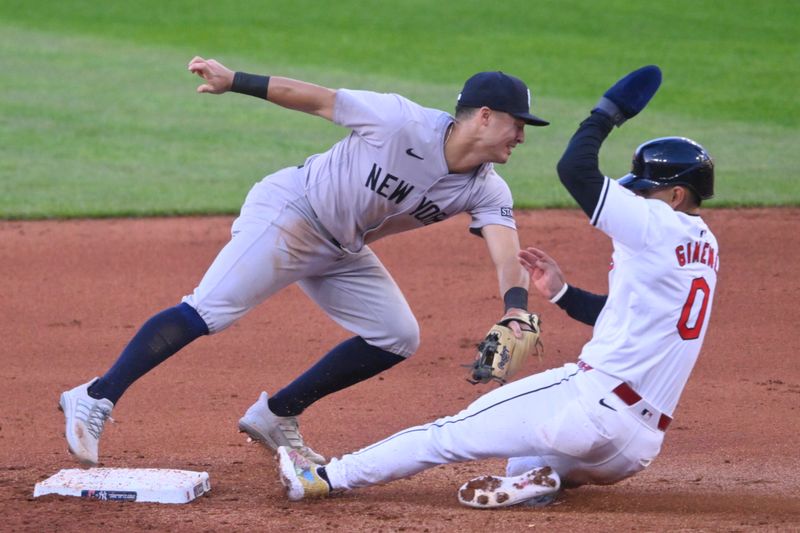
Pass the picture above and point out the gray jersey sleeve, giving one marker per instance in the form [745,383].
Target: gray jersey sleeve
[372,116]
[494,204]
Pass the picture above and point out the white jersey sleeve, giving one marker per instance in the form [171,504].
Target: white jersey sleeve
[622,215]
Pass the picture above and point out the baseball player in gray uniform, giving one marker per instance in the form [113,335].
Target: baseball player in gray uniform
[603,418]
[402,167]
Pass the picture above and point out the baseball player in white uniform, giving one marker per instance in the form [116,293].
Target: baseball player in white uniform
[603,418]
[402,167]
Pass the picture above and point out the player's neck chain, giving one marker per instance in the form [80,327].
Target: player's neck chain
[450,129]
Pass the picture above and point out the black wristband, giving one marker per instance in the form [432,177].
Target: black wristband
[251,84]
[516,297]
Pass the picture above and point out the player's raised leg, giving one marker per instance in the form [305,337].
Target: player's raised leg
[235,282]
[87,407]
[85,419]
[360,295]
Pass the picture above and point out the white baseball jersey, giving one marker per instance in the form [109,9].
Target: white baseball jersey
[661,291]
[648,334]
[390,175]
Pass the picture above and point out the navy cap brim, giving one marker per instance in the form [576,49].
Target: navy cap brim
[531,120]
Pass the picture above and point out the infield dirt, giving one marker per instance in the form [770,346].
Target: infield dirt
[74,292]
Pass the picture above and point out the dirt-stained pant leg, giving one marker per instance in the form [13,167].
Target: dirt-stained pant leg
[360,295]
[498,424]
[550,415]
[274,243]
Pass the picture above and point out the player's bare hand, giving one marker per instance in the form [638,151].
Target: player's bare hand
[219,78]
[545,273]
[514,325]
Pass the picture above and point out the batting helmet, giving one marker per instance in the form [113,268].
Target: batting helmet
[670,161]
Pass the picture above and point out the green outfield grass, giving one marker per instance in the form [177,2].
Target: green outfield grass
[98,115]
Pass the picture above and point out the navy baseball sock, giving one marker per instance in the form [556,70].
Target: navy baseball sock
[352,361]
[159,338]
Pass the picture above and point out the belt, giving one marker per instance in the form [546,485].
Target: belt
[324,230]
[630,397]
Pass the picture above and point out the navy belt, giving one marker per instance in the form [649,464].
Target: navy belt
[327,233]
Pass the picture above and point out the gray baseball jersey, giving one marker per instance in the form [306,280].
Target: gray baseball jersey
[310,224]
[390,175]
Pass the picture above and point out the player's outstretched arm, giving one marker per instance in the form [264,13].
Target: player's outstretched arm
[285,92]
[548,279]
[503,245]
[218,78]
[578,167]
[302,96]
[629,95]
[545,273]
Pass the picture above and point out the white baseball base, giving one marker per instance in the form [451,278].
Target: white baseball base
[126,484]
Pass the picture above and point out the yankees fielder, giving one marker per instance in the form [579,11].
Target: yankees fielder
[602,419]
[402,167]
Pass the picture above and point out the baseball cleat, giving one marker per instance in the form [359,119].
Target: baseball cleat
[488,492]
[300,476]
[631,94]
[86,418]
[541,501]
[274,431]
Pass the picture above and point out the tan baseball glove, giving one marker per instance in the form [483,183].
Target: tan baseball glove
[501,354]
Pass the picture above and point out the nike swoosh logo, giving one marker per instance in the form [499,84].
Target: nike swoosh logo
[604,404]
[410,152]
